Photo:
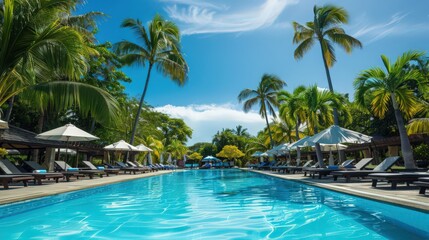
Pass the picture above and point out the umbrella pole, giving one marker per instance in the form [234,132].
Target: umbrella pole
[67,156]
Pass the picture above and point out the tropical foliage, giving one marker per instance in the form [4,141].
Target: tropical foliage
[265,96]
[160,49]
[393,86]
[230,152]
[326,30]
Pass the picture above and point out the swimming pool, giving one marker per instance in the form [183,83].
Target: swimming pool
[209,204]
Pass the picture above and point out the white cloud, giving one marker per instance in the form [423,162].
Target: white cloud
[208,17]
[206,120]
[395,26]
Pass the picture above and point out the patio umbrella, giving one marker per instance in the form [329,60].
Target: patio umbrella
[256,154]
[143,148]
[67,133]
[335,134]
[330,148]
[210,158]
[121,146]
[65,151]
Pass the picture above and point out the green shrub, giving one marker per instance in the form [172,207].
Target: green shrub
[421,152]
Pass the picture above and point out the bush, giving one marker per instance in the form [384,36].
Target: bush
[421,152]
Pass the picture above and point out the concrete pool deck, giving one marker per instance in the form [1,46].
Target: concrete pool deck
[17,192]
[403,195]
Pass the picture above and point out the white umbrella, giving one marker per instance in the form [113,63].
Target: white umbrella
[330,148]
[256,154]
[122,146]
[210,158]
[143,148]
[335,134]
[169,161]
[67,133]
[65,151]
[303,142]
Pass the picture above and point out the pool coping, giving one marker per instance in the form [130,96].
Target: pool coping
[415,205]
[38,191]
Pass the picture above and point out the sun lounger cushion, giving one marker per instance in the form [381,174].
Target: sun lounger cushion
[100,168]
[40,171]
[72,169]
[333,167]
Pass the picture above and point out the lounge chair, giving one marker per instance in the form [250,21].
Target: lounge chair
[294,169]
[129,169]
[138,165]
[423,183]
[6,179]
[380,168]
[34,166]
[66,168]
[9,168]
[267,165]
[106,170]
[325,171]
[395,178]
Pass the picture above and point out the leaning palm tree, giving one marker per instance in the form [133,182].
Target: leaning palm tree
[393,86]
[160,48]
[325,29]
[265,95]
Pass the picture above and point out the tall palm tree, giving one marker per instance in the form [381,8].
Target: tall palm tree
[265,95]
[160,48]
[393,86]
[325,29]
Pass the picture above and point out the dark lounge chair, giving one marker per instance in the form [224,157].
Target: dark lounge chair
[6,179]
[380,168]
[325,171]
[129,169]
[107,171]
[34,166]
[9,168]
[66,168]
[395,178]
[423,183]
[294,169]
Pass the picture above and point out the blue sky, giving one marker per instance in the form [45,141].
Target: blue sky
[229,45]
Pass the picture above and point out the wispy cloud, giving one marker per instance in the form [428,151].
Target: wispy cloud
[202,16]
[206,120]
[395,26]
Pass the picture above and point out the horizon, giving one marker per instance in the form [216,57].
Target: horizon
[238,42]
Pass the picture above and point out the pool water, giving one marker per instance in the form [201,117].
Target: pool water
[209,204]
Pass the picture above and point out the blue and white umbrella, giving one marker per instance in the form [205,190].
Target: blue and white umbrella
[211,159]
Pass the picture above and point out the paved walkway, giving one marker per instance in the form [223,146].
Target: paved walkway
[403,195]
[17,192]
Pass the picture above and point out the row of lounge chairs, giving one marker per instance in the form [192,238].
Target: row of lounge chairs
[379,173]
[32,171]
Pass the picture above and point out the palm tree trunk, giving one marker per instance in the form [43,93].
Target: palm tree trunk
[9,109]
[136,121]
[269,130]
[298,122]
[406,149]
[331,88]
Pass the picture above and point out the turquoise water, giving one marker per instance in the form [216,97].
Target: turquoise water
[209,204]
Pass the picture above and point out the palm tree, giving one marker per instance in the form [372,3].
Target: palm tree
[393,86]
[160,48]
[325,28]
[241,131]
[37,48]
[291,107]
[318,105]
[265,95]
